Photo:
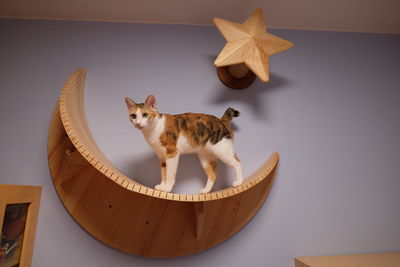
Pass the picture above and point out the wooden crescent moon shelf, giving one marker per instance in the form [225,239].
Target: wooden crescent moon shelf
[132,217]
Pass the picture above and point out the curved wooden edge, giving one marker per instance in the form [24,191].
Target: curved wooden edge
[75,124]
[131,217]
[137,223]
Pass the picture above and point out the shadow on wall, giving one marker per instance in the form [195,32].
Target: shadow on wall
[252,96]
[190,175]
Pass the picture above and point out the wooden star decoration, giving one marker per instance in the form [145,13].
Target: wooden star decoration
[249,43]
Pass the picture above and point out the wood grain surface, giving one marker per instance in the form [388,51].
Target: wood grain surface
[391,259]
[132,217]
[248,44]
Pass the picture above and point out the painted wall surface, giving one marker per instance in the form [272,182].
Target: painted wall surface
[331,110]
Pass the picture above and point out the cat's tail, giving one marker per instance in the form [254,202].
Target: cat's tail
[229,114]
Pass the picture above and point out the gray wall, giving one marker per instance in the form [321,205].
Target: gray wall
[331,110]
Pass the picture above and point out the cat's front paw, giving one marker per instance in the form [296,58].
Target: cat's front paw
[205,191]
[163,187]
[159,187]
[167,188]
[237,183]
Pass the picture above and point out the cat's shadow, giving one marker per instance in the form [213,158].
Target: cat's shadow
[252,97]
[190,176]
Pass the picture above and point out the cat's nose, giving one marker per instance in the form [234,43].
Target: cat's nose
[138,125]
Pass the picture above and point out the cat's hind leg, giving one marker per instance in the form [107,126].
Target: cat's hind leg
[224,151]
[209,164]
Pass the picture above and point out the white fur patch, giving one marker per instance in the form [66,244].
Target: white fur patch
[152,136]
[184,146]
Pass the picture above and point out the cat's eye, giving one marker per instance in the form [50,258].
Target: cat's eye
[145,115]
[133,116]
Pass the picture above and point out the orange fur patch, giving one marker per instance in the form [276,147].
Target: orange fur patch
[169,137]
[237,158]
[163,171]
[152,113]
[201,128]
[211,170]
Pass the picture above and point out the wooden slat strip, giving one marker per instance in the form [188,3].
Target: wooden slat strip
[130,186]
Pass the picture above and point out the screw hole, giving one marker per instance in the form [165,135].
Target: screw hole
[147,222]
[110,206]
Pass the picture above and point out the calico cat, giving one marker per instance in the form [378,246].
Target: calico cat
[172,135]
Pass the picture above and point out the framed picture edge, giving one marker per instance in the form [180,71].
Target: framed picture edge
[19,194]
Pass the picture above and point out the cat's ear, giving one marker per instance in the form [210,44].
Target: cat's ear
[129,103]
[151,101]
